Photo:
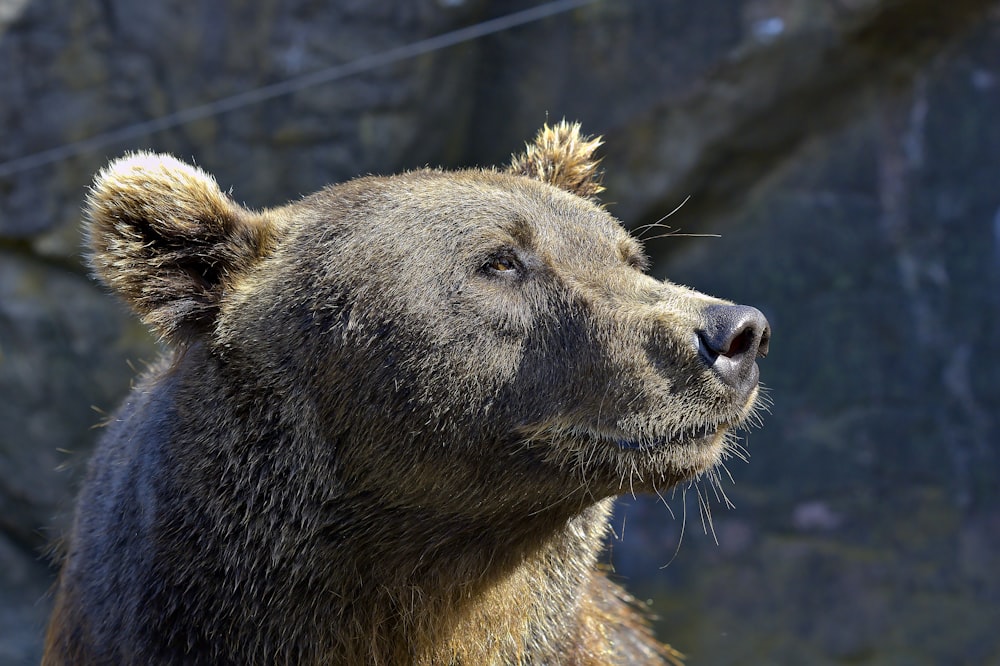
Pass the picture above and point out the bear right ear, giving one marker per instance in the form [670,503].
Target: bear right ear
[164,236]
[563,157]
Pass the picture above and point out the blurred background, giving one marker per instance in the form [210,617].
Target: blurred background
[845,152]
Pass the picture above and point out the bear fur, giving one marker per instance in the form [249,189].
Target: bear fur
[390,424]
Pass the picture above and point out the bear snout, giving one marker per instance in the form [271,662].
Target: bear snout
[731,339]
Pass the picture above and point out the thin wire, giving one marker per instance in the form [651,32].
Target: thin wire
[288,86]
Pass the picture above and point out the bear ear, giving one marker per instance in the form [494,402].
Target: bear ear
[561,156]
[164,236]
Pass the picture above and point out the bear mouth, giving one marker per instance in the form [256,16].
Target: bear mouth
[702,436]
[696,436]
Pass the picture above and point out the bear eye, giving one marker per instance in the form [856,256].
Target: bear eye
[502,263]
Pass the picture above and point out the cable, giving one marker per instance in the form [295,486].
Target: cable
[288,86]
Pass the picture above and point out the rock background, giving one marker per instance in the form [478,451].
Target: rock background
[847,152]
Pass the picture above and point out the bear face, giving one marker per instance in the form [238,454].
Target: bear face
[424,381]
[509,315]
[521,324]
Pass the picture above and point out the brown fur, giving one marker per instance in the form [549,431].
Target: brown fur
[561,156]
[392,423]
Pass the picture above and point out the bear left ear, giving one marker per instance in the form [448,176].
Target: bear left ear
[164,237]
[563,157]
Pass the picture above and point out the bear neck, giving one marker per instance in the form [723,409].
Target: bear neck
[440,592]
[363,578]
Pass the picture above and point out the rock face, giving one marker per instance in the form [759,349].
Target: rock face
[63,349]
[847,153]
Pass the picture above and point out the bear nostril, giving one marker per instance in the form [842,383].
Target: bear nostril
[741,344]
[732,338]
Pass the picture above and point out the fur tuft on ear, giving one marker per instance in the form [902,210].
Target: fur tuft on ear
[164,236]
[561,156]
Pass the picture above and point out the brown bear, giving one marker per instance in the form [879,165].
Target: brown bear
[393,420]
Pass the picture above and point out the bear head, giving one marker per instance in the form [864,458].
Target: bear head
[484,339]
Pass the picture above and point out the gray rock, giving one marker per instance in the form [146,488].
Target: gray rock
[65,349]
[871,493]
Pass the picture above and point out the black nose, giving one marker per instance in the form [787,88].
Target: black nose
[731,340]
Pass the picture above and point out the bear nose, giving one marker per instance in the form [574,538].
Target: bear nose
[732,338]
